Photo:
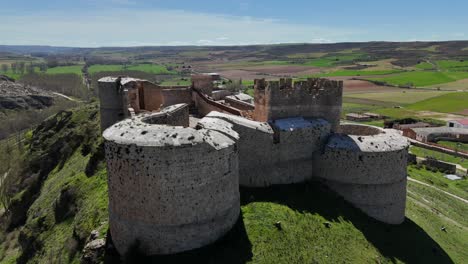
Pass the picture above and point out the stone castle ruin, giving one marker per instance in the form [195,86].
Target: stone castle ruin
[177,155]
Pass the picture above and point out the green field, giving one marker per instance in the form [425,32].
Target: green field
[11,74]
[357,108]
[425,66]
[453,65]
[176,82]
[75,69]
[355,73]
[454,145]
[329,61]
[448,103]
[149,68]
[317,226]
[403,97]
[421,78]
[437,179]
[421,152]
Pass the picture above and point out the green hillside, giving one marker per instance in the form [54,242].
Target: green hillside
[317,226]
[447,103]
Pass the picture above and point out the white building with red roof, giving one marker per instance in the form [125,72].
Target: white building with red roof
[461,123]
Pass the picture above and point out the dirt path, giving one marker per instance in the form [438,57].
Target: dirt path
[66,97]
[440,190]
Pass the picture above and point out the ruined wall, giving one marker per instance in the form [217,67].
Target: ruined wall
[241,105]
[368,169]
[268,157]
[175,115]
[112,104]
[203,83]
[220,94]
[314,98]
[174,96]
[170,188]
[205,105]
[446,167]
[153,96]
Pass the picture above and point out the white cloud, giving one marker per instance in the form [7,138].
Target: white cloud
[119,27]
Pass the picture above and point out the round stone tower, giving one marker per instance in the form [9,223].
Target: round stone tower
[111,98]
[367,166]
[171,188]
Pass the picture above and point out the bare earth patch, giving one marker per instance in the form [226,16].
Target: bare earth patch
[440,116]
[284,70]
[457,85]
[244,75]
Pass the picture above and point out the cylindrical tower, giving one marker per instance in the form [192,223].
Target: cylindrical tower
[171,188]
[112,105]
[367,166]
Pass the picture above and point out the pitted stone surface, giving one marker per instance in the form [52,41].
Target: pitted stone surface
[367,170]
[171,188]
[267,157]
[175,188]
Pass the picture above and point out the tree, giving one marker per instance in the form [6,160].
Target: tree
[43,67]
[4,68]
[30,68]
[13,67]
[21,67]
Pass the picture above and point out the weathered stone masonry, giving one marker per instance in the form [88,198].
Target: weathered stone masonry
[174,188]
[171,188]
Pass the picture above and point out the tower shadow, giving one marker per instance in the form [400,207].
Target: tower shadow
[232,248]
[407,242]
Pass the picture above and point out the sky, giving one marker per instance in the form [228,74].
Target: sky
[97,23]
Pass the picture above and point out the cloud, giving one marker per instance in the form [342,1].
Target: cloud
[126,27]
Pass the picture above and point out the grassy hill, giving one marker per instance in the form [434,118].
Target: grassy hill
[317,226]
[447,103]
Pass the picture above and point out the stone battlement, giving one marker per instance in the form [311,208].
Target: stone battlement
[174,186]
[317,98]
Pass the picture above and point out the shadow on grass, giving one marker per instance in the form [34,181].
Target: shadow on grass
[407,242]
[233,248]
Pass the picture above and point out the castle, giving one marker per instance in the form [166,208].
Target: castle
[174,178]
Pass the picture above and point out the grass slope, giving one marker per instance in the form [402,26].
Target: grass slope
[149,68]
[75,69]
[422,78]
[403,97]
[454,145]
[447,103]
[317,226]
[356,73]
[72,200]
[421,152]
[305,210]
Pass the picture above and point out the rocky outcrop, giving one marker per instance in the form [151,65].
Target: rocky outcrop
[17,96]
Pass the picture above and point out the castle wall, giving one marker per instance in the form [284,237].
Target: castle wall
[205,105]
[170,188]
[153,96]
[203,83]
[111,98]
[175,115]
[447,167]
[268,157]
[368,169]
[314,98]
[241,105]
[220,94]
[174,96]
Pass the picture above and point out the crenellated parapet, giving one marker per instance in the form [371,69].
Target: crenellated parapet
[314,98]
